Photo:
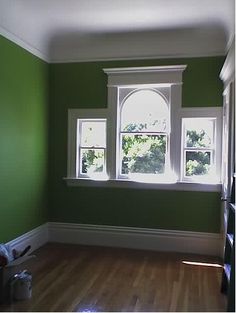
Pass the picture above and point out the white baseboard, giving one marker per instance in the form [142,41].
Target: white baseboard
[137,238]
[124,237]
[36,238]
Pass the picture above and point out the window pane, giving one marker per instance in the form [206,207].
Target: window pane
[93,134]
[197,163]
[145,110]
[92,161]
[199,133]
[143,154]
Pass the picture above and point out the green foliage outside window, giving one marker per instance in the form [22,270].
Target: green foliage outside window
[92,161]
[197,162]
[143,154]
[197,139]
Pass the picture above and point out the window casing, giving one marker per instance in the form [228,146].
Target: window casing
[144,121]
[201,145]
[167,81]
[81,139]
[126,87]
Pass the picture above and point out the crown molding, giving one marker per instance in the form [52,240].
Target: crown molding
[151,57]
[45,57]
[23,44]
[227,73]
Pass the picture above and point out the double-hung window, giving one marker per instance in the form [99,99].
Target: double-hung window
[201,145]
[145,135]
[143,105]
[87,144]
[198,148]
[91,147]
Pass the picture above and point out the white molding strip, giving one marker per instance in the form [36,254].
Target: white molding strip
[23,44]
[119,183]
[145,69]
[36,238]
[135,58]
[123,237]
[67,59]
[149,75]
[137,238]
[227,73]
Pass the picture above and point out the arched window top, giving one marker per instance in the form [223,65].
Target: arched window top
[145,111]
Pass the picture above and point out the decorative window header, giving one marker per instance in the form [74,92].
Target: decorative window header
[145,75]
[145,136]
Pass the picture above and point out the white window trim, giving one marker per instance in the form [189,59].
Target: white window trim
[144,75]
[164,92]
[73,116]
[206,112]
[166,75]
[114,183]
[162,76]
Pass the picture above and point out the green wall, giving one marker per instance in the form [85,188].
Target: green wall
[83,85]
[23,141]
[31,131]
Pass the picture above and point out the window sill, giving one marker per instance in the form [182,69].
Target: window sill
[182,186]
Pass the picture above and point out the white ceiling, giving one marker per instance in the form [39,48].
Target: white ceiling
[81,30]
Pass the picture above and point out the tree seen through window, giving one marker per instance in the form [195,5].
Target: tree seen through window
[143,136]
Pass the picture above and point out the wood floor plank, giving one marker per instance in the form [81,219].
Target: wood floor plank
[77,278]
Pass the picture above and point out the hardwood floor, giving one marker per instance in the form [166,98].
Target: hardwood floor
[91,279]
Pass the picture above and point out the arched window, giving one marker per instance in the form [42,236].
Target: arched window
[144,130]
[138,136]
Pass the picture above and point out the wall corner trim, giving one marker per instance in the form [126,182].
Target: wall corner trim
[227,73]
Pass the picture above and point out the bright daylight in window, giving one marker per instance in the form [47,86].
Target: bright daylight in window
[144,130]
[145,135]
[199,149]
[91,151]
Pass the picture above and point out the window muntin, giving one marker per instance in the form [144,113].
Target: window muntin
[144,126]
[198,137]
[91,147]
